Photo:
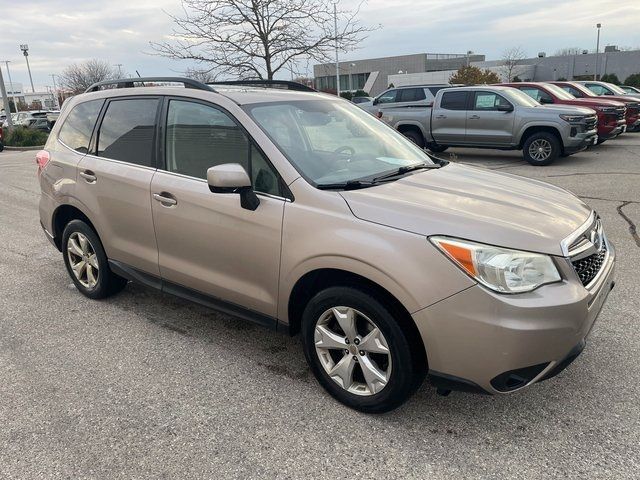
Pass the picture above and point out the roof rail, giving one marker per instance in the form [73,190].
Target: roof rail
[268,84]
[130,83]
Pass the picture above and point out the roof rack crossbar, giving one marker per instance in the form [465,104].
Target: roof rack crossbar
[267,84]
[130,83]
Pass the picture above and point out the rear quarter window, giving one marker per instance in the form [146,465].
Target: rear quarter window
[77,127]
[454,100]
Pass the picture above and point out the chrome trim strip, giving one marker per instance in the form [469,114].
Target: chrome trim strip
[566,243]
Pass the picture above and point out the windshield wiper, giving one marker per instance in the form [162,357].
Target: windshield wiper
[406,169]
[348,185]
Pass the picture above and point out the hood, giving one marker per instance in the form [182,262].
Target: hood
[559,108]
[596,102]
[474,204]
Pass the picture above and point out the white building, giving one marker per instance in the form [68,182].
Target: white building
[16,93]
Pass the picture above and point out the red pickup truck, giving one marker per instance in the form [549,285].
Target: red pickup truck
[611,113]
[632,103]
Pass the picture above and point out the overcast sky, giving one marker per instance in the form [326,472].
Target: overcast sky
[60,32]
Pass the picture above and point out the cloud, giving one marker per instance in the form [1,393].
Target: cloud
[60,32]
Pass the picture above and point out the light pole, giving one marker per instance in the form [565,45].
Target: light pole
[119,65]
[5,102]
[595,75]
[25,51]
[469,53]
[335,26]
[55,89]
[13,95]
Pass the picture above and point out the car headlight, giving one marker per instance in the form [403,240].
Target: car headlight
[572,118]
[500,269]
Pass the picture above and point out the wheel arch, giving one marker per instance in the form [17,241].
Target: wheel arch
[528,131]
[64,214]
[319,279]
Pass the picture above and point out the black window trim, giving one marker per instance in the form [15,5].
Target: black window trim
[95,137]
[473,101]
[161,142]
[93,130]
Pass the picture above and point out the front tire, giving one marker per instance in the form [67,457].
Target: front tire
[86,262]
[541,149]
[435,148]
[415,137]
[358,351]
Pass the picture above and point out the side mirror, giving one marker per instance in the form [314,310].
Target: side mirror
[545,101]
[233,178]
[376,101]
[505,108]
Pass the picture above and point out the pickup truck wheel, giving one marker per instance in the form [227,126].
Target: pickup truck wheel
[437,148]
[415,137]
[541,149]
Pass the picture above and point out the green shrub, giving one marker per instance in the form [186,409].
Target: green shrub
[347,95]
[610,78]
[633,80]
[360,93]
[25,137]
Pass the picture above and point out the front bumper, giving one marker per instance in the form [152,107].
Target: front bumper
[609,132]
[479,340]
[580,140]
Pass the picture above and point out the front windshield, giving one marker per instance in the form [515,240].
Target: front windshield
[521,98]
[332,141]
[558,92]
[616,89]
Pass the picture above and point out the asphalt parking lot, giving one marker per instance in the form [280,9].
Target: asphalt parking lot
[146,385]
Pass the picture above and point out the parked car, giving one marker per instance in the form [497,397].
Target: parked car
[40,124]
[5,124]
[611,114]
[303,213]
[632,115]
[604,88]
[358,100]
[497,117]
[414,95]
[629,89]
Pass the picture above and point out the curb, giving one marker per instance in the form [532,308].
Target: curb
[23,149]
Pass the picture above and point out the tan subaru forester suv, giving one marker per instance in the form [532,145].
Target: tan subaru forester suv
[301,212]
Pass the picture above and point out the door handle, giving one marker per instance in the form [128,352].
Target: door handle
[441,116]
[88,176]
[474,117]
[164,199]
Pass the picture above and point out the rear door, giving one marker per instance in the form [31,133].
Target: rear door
[449,119]
[486,125]
[207,241]
[114,180]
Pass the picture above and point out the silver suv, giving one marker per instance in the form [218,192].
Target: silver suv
[301,212]
[409,96]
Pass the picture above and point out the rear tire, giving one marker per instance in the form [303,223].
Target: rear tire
[86,262]
[434,147]
[541,148]
[415,137]
[397,372]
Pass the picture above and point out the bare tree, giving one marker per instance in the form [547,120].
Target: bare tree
[258,38]
[511,60]
[78,77]
[204,76]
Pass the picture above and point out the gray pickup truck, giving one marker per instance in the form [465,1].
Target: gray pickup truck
[495,117]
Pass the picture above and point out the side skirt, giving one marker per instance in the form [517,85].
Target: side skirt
[137,276]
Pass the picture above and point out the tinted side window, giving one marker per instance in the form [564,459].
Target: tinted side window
[488,101]
[388,97]
[411,95]
[201,136]
[454,100]
[127,131]
[77,127]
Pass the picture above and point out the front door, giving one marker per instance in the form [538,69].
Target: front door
[207,242]
[486,125]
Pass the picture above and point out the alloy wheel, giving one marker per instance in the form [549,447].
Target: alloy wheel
[352,350]
[83,260]
[540,149]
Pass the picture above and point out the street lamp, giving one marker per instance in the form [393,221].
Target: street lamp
[335,26]
[13,95]
[55,89]
[25,51]
[595,75]
[469,53]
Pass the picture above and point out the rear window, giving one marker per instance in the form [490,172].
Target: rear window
[77,127]
[127,131]
[454,100]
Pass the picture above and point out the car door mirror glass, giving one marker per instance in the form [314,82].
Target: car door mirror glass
[505,107]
